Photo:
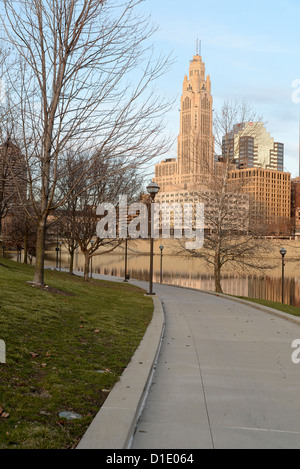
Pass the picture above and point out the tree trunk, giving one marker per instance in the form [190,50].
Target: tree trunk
[40,253]
[25,247]
[71,266]
[86,266]
[217,273]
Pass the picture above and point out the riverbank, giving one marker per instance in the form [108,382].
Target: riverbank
[194,272]
[293,310]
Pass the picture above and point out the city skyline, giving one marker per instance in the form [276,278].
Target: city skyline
[251,52]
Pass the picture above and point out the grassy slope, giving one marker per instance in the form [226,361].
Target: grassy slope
[295,311]
[55,346]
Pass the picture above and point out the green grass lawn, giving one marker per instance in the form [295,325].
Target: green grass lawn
[64,351]
[274,304]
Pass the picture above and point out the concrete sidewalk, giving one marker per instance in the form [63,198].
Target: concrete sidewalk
[221,377]
[225,378]
[114,425]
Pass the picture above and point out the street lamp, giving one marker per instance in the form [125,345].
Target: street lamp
[153,189]
[60,243]
[161,269]
[92,244]
[57,249]
[126,276]
[283,253]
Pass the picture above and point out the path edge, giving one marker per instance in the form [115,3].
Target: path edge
[114,425]
[260,307]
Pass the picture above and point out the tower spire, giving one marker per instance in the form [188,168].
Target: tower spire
[198,47]
[299,145]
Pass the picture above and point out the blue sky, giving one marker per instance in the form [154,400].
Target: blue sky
[251,51]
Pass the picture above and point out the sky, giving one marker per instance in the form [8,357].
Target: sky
[251,51]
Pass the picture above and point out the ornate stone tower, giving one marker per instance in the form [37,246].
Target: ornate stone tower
[195,153]
[195,150]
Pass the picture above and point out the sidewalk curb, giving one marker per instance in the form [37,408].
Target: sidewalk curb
[266,309]
[114,425]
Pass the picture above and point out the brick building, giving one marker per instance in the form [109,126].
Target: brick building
[269,195]
[13,181]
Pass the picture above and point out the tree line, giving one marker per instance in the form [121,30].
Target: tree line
[81,114]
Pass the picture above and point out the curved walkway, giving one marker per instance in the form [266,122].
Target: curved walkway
[224,378]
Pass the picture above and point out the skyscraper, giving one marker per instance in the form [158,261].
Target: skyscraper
[253,183]
[195,143]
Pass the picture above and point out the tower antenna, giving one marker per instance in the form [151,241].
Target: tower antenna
[299,145]
[198,47]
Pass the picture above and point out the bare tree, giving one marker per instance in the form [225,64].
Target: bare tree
[6,192]
[20,232]
[12,164]
[77,217]
[85,83]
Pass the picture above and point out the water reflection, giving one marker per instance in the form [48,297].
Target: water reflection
[186,272]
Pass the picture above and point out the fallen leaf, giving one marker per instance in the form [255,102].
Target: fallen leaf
[34,355]
[60,422]
[4,415]
[97,330]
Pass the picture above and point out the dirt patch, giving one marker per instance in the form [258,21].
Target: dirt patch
[49,289]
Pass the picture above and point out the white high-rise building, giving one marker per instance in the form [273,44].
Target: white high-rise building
[250,145]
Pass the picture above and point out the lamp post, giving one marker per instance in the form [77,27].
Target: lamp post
[161,260]
[283,253]
[153,189]
[60,243]
[57,249]
[126,268]
[92,244]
